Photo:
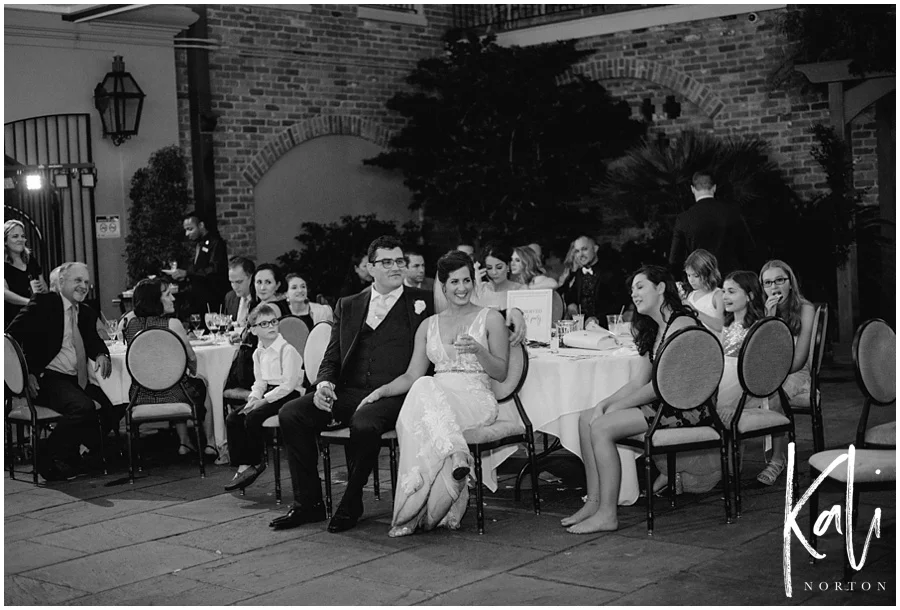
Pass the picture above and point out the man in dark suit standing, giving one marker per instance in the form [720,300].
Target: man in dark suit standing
[58,334]
[371,344]
[205,280]
[716,226]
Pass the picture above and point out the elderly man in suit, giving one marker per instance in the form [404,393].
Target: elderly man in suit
[58,334]
[714,225]
[237,301]
[205,280]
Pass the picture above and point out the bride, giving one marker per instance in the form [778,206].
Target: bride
[468,345]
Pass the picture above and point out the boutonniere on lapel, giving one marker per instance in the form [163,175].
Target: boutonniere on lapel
[419,306]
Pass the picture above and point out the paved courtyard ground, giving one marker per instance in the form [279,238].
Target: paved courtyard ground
[176,539]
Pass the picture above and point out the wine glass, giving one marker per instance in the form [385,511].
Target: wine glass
[212,323]
[112,328]
[224,322]
[196,322]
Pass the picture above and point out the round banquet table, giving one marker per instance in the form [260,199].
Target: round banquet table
[213,363]
[560,386]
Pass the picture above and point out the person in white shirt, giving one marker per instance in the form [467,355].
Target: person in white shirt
[278,378]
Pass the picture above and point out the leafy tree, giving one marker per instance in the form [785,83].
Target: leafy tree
[327,249]
[159,199]
[499,140]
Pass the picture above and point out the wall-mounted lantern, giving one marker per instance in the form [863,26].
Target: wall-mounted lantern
[119,100]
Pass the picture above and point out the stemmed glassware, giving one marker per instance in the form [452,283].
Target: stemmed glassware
[196,324]
[212,323]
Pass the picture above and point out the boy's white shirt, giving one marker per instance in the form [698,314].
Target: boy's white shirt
[278,364]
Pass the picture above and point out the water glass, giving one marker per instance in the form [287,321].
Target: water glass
[563,328]
[578,318]
[612,323]
[212,323]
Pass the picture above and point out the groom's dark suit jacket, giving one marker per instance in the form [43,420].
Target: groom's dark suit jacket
[349,318]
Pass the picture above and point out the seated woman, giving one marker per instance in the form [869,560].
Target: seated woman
[22,276]
[153,307]
[300,305]
[631,410]
[468,346]
[494,266]
[277,379]
[527,270]
[699,471]
[268,287]
[783,300]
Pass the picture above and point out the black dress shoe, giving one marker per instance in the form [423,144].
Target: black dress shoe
[299,515]
[342,520]
[56,470]
[246,478]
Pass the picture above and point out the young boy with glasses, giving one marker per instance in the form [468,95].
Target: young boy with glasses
[278,378]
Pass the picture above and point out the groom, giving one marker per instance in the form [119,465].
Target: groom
[371,344]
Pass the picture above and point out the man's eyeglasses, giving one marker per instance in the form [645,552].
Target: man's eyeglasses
[387,263]
[778,281]
[266,324]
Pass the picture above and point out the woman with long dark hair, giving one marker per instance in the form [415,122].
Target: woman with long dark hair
[658,313]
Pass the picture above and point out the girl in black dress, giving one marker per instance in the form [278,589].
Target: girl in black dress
[658,313]
[22,276]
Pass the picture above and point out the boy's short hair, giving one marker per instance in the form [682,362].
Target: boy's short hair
[263,309]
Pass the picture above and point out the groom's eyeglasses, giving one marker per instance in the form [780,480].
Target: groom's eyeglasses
[387,263]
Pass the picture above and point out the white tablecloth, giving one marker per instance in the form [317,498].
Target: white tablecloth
[559,387]
[213,363]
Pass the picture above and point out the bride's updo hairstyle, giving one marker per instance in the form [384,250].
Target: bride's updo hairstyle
[452,261]
[643,328]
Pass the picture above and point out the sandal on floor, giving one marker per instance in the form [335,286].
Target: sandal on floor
[190,450]
[210,452]
[771,473]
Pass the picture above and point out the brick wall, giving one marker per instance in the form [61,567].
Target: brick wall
[274,69]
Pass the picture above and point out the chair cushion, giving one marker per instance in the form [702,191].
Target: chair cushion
[169,409]
[23,414]
[871,465]
[272,422]
[885,434]
[236,394]
[494,432]
[801,400]
[669,437]
[757,419]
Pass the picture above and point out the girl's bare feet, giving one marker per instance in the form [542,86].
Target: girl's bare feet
[600,521]
[590,507]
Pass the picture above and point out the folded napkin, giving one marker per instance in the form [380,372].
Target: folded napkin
[600,339]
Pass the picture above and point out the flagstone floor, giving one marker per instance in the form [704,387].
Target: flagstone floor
[175,539]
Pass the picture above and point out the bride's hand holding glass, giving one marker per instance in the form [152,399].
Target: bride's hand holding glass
[466,344]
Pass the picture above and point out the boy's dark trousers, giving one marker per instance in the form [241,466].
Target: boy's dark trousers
[246,440]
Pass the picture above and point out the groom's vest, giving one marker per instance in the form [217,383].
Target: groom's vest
[381,355]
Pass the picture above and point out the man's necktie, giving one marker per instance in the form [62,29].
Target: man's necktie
[80,356]
[587,271]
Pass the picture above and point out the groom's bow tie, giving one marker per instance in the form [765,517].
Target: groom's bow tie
[587,271]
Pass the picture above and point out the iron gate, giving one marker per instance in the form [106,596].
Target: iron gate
[59,222]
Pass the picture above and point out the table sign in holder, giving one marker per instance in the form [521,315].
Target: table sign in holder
[537,308]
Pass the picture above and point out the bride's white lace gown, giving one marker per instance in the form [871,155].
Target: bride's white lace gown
[430,430]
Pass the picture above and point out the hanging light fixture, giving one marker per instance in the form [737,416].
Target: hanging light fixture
[119,100]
